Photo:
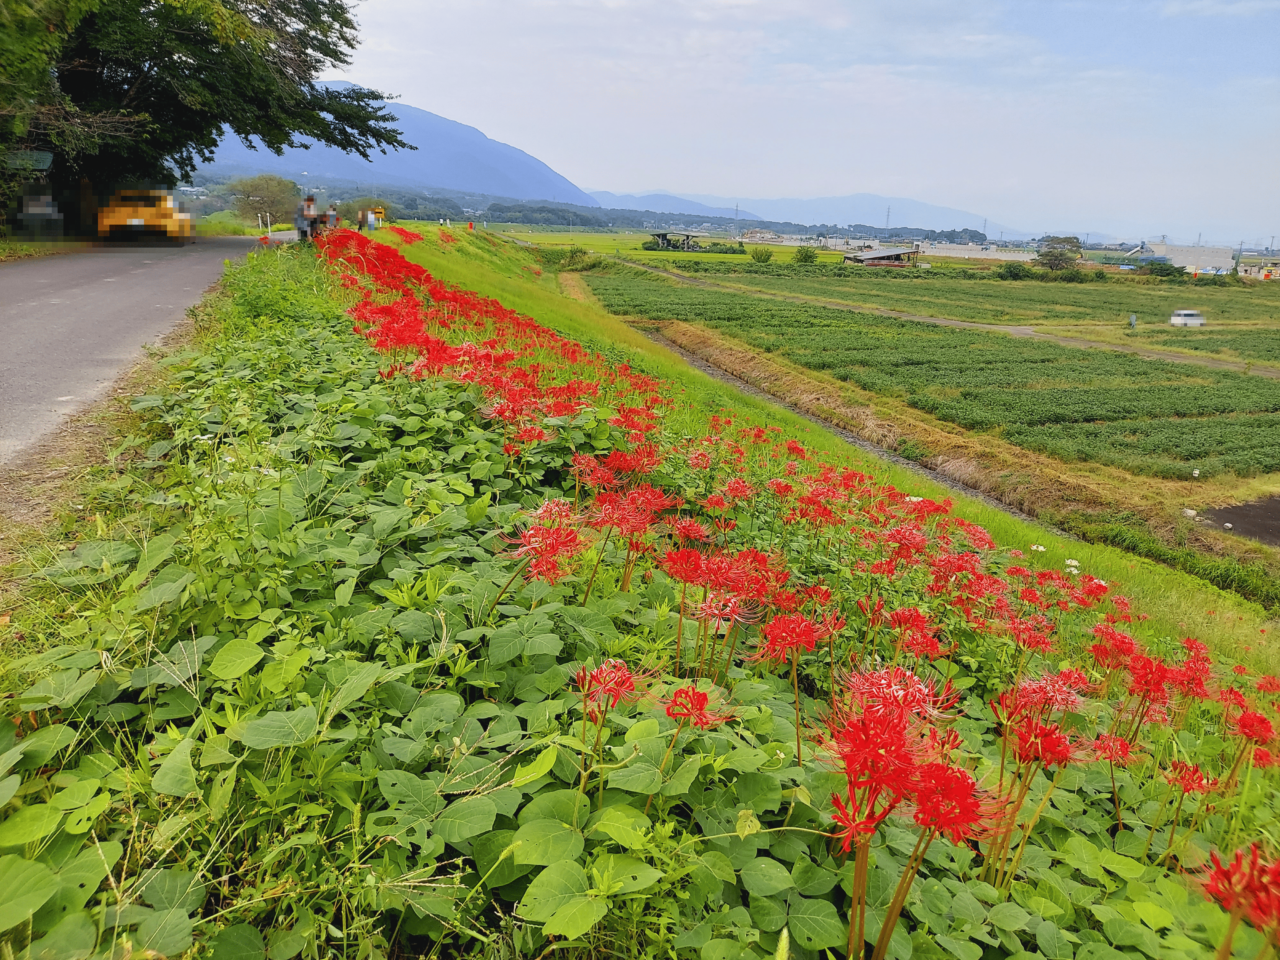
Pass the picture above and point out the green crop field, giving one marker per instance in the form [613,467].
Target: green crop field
[944,293]
[1073,404]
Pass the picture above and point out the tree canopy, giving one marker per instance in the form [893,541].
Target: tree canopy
[181,74]
[1058,253]
[265,195]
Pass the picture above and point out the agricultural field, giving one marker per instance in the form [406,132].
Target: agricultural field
[1032,393]
[450,636]
[1025,302]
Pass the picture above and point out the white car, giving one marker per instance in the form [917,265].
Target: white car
[1187,318]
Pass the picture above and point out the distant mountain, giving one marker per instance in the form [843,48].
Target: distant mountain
[450,156]
[861,208]
[667,203]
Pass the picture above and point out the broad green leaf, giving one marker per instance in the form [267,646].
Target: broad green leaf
[640,777]
[25,886]
[167,932]
[241,942]
[815,925]
[290,728]
[683,778]
[1154,916]
[622,824]
[765,876]
[642,730]
[28,824]
[8,787]
[551,889]
[1122,866]
[547,842]
[465,818]
[176,777]
[167,889]
[235,660]
[541,766]
[486,852]
[963,949]
[1008,916]
[80,880]
[575,918]
[632,873]
[353,688]
[72,939]
[768,913]
[1052,942]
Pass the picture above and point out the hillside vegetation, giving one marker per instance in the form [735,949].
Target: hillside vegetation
[418,627]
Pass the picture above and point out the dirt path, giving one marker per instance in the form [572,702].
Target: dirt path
[1029,333]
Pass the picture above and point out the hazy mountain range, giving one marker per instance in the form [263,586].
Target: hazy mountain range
[452,156]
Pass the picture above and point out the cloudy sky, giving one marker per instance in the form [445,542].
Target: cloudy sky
[1131,117]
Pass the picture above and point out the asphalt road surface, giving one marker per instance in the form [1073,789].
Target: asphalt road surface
[71,323]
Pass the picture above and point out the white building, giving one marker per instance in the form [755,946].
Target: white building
[1193,259]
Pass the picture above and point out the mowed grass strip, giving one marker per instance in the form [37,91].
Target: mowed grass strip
[992,382]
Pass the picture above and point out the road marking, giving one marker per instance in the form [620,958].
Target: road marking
[60,399]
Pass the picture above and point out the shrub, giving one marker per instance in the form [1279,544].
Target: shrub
[761,254]
[1015,270]
[805,255]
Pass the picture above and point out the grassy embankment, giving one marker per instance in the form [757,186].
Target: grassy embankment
[1181,603]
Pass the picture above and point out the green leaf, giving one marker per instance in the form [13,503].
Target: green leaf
[815,925]
[642,730]
[290,728]
[28,824]
[575,918]
[235,660]
[555,886]
[1008,916]
[241,942]
[1125,867]
[683,778]
[80,880]
[632,873]
[24,888]
[176,777]
[487,849]
[1154,916]
[640,777]
[622,824]
[72,939]
[353,688]
[541,766]
[765,876]
[547,841]
[167,889]
[768,913]
[465,818]
[167,932]
[964,949]
[1053,942]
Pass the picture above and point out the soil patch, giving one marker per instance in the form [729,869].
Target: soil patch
[1259,520]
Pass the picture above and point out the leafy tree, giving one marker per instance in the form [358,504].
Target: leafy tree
[265,195]
[805,255]
[1156,268]
[185,70]
[1059,253]
[761,254]
[1015,270]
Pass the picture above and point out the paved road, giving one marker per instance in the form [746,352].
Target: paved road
[1030,333]
[70,324]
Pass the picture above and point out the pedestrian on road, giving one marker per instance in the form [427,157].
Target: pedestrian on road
[300,222]
[311,216]
[360,221]
[331,217]
[373,221]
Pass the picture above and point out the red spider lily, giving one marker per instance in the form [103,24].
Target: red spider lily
[898,690]
[784,635]
[408,236]
[1254,727]
[691,530]
[1268,684]
[1032,633]
[684,565]
[720,610]
[547,548]
[1112,748]
[1245,886]
[947,801]
[1189,778]
[607,685]
[854,821]
[691,704]
[1042,743]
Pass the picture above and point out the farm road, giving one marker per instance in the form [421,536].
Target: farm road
[71,323]
[1030,333]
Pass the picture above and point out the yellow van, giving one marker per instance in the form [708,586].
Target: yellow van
[144,212]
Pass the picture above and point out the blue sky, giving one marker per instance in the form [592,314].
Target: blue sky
[1134,118]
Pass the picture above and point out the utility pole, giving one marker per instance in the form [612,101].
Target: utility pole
[886,217]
